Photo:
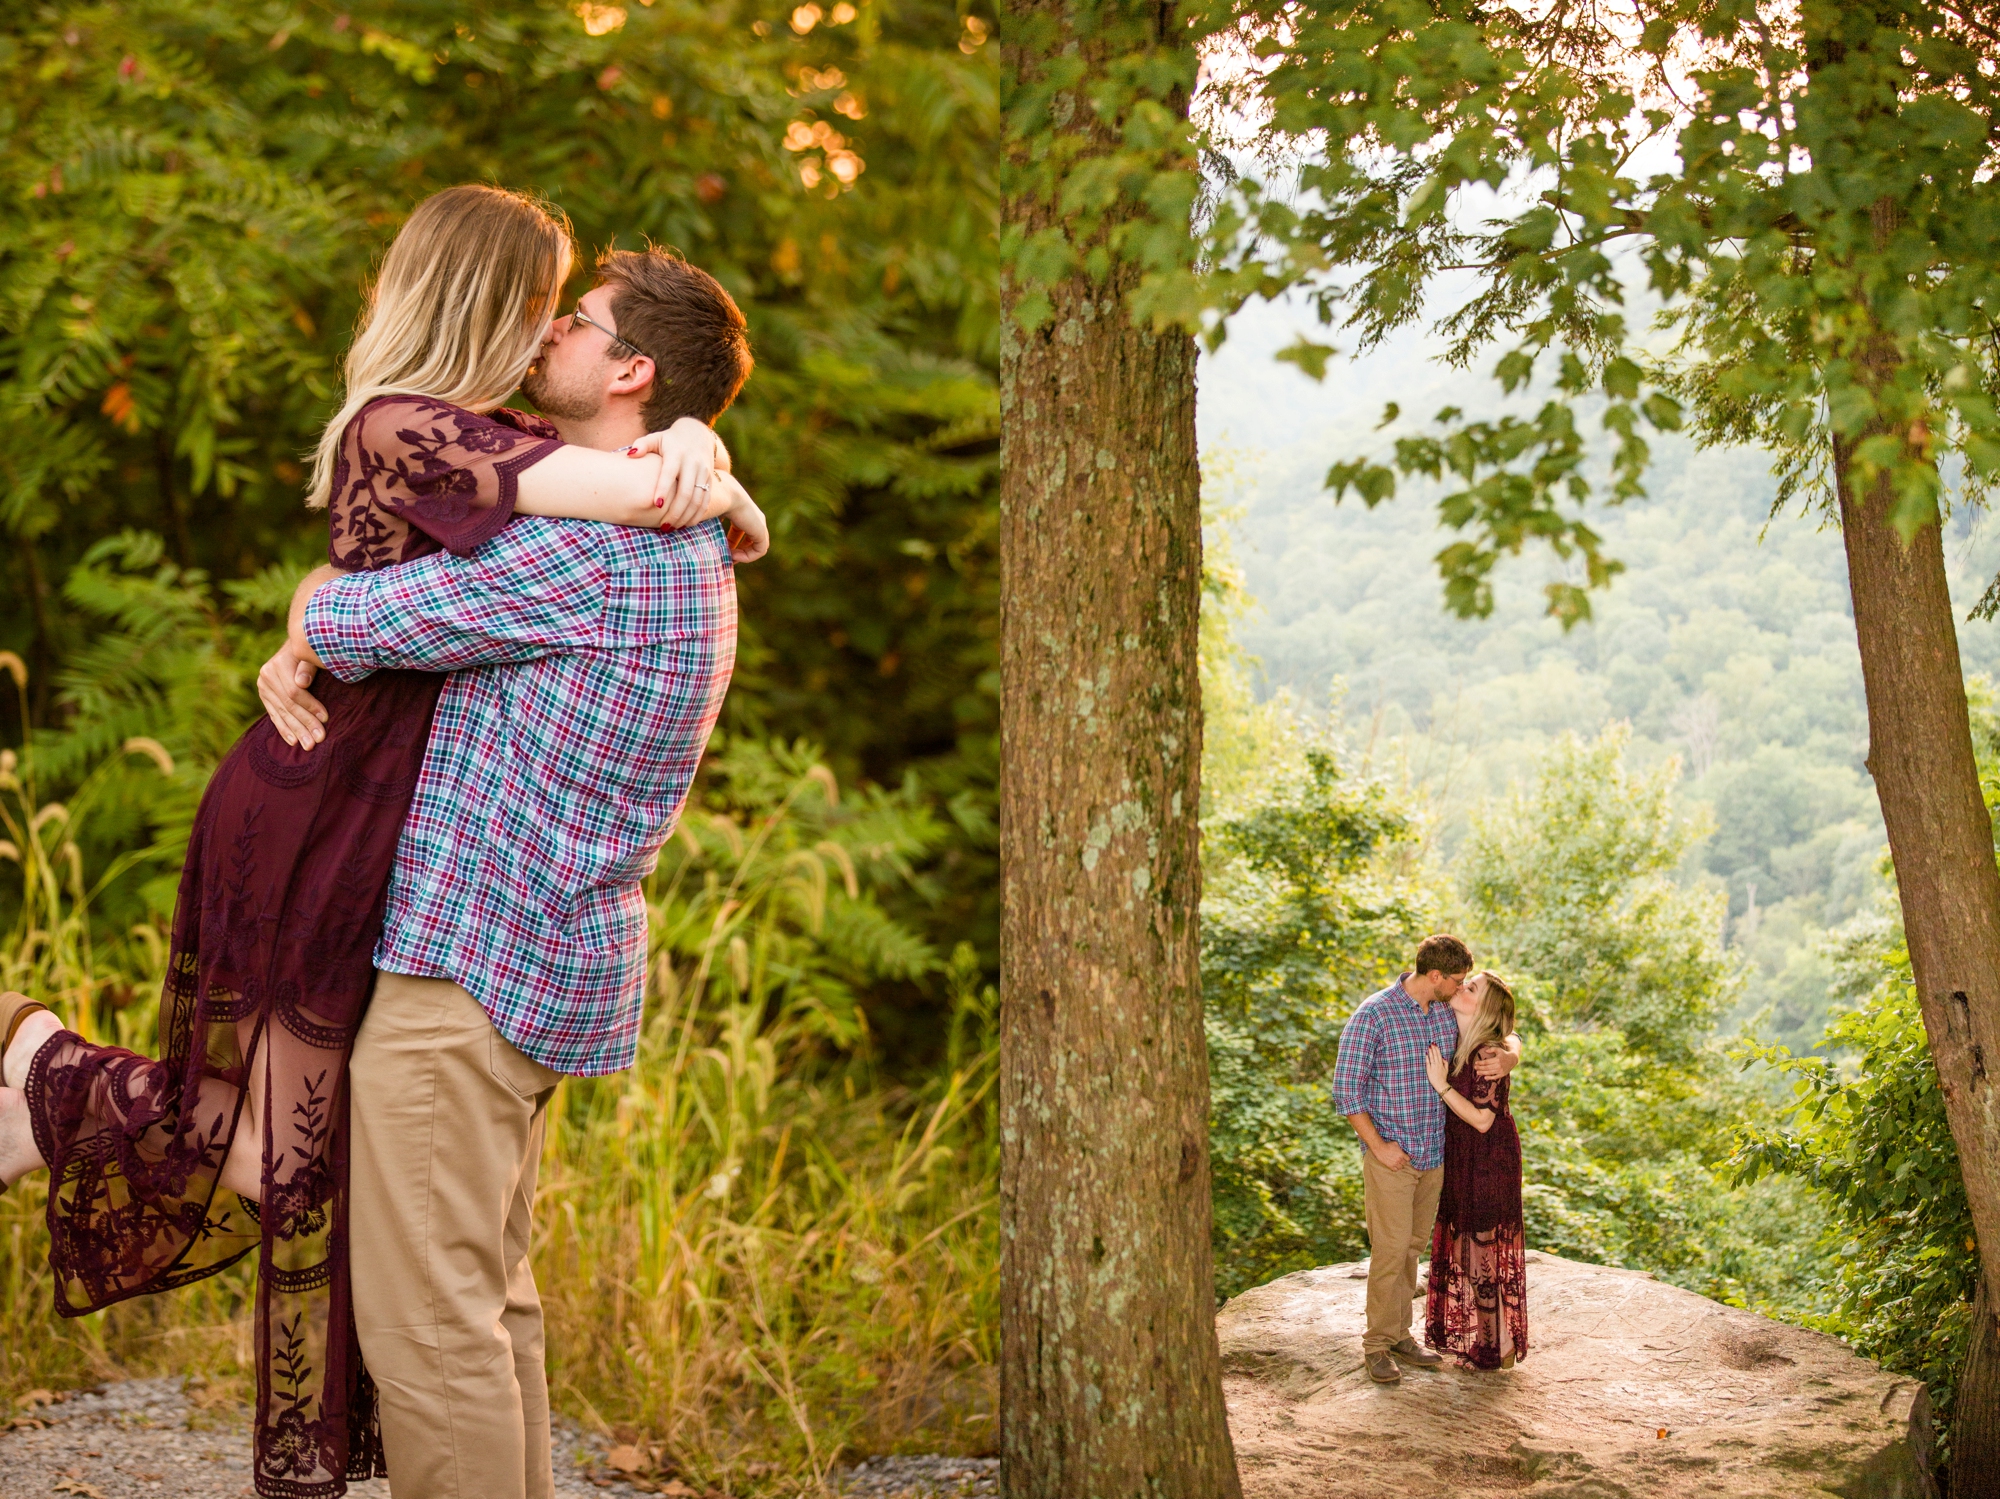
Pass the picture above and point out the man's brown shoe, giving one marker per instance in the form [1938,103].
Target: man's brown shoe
[1410,1353]
[1382,1369]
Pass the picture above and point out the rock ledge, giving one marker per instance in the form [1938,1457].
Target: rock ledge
[1633,1390]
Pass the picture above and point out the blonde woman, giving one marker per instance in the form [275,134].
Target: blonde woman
[237,1139]
[1477,1307]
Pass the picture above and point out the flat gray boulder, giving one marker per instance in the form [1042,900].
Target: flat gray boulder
[1632,1390]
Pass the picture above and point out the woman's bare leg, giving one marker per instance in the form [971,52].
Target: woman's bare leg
[243,1169]
[18,1155]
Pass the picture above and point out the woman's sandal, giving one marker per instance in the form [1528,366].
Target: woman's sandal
[14,1008]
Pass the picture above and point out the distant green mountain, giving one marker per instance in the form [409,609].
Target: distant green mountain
[1727,642]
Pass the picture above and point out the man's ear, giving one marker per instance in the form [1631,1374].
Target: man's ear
[633,377]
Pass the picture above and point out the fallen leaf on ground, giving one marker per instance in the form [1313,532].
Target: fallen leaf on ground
[78,1487]
[627,1459]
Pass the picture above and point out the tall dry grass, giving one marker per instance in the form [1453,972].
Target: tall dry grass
[757,1257]
[751,1251]
[56,953]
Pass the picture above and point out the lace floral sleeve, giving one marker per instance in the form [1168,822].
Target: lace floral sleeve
[1481,1092]
[416,474]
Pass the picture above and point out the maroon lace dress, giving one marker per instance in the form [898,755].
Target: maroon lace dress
[1477,1308]
[271,967]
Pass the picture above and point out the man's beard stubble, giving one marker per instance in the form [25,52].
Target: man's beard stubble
[572,400]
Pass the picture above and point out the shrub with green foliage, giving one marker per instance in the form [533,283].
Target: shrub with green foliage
[1898,1261]
[198,191]
[1568,888]
[1302,918]
[1626,1110]
[1866,1130]
[1570,879]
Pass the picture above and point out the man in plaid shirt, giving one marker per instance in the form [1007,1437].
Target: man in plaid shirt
[1380,1085]
[588,665]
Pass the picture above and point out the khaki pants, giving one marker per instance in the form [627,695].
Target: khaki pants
[1402,1209]
[447,1136]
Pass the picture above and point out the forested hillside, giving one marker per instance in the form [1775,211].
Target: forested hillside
[1726,642]
[1659,825]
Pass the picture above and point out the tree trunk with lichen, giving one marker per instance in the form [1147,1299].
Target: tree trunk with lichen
[1941,839]
[1975,1424]
[1919,728]
[1110,1379]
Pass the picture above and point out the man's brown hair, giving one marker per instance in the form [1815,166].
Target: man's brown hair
[678,316]
[1444,954]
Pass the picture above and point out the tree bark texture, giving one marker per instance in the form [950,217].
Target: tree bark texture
[1110,1379]
[1920,750]
[1940,836]
[1975,1417]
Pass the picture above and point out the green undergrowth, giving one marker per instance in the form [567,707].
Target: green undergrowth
[758,1255]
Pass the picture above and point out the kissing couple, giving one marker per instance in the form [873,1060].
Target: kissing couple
[411,902]
[1422,1075]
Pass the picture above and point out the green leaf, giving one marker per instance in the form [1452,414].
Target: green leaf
[1308,356]
[1621,379]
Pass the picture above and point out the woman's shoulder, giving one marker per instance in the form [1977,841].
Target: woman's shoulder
[400,403]
[401,419]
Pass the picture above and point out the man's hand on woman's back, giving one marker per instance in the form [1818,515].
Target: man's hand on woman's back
[1495,1062]
[296,714]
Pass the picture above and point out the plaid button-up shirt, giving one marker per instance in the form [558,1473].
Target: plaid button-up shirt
[588,665]
[1380,1070]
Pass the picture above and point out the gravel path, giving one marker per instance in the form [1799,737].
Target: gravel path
[139,1438]
[921,1478]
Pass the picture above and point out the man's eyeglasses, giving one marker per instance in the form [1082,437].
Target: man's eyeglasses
[578,315]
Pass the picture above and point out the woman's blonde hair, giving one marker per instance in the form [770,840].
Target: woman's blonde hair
[458,309]
[1492,1022]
